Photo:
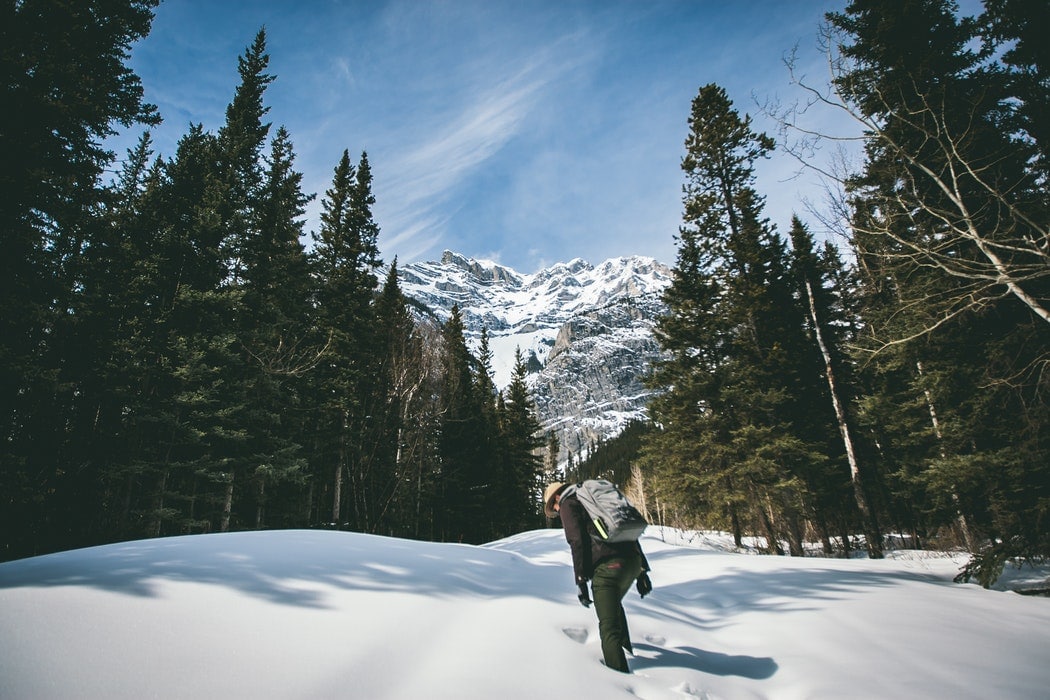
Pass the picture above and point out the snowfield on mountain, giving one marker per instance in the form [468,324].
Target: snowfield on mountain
[586,332]
[323,614]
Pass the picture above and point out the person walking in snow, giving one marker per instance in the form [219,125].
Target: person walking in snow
[610,567]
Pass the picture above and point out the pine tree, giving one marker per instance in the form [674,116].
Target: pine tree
[66,85]
[401,416]
[492,463]
[345,258]
[109,318]
[730,447]
[463,479]
[520,439]
[241,141]
[950,187]
[945,214]
[259,242]
[278,345]
[815,276]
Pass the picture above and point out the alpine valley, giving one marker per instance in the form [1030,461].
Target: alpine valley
[585,333]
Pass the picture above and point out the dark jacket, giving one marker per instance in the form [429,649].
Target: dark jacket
[588,552]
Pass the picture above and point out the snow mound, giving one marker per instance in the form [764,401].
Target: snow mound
[317,614]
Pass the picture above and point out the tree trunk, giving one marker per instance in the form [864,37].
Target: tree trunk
[158,504]
[772,541]
[960,519]
[825,539]
[337,479]
[259,508]
[874,536]
[795,538]
[738,533]
[337,489]
[227,505]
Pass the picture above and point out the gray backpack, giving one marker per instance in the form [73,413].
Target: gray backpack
[614,518]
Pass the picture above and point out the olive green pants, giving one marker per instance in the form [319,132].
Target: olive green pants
[612,579]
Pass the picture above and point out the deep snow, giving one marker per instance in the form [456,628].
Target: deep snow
[318,614]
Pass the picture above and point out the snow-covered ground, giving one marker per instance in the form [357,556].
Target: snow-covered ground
[316,614]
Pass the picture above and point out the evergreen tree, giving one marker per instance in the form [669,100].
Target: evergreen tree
[945,215]
[492,466]
[520,439]
[345,258]
[109,323]
[949,188]
[730,447]
[399,422]
[241,141]
[232,399]
[66,85]
[828,319]
[276,336]
[464,480]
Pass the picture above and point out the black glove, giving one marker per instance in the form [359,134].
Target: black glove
[584,596]
[644,586]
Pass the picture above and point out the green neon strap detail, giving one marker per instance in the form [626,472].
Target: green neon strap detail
[600,527]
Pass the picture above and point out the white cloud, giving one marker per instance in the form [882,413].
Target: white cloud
[429,172]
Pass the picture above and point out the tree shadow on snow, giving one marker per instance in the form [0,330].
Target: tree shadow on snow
[711,603]
[299,568]
[304,567]
[710,662]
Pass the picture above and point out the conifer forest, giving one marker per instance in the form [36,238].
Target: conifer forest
[179,355]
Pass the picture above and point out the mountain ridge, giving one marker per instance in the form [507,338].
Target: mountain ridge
[586,329]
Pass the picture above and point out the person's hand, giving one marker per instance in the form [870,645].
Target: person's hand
[584,596]
[644,585]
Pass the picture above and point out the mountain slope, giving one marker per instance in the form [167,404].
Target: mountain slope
[586,332]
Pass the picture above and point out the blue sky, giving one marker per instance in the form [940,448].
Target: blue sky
[527,132]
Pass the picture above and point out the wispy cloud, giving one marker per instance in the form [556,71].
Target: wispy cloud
[428,173]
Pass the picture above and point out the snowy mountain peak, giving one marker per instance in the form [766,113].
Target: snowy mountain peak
[528,310]
[588,328]
[484,271]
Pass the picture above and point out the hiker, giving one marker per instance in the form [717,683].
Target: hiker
[611,567]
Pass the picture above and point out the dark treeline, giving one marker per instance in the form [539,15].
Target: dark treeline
[174,360]
[614,458]
[901,387]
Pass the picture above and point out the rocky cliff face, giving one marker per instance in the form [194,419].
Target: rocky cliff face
[587,332]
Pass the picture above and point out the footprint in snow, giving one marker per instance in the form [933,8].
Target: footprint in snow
[689,691]
[576,634]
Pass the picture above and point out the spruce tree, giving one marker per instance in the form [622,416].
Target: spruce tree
[463,479]
[241,142]
[400,387]
[520,440]
[945,213]
[492,461]
[345,258]
[279,346]
[66,87]
[815,276]
[730,447]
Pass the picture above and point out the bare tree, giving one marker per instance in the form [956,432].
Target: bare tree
[955,207]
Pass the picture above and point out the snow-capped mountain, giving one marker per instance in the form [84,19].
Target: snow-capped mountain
[585,331]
